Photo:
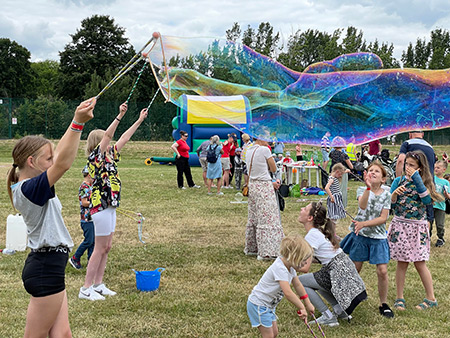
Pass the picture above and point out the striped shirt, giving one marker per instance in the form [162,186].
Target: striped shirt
[325,143]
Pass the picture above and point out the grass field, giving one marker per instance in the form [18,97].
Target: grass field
[199,239]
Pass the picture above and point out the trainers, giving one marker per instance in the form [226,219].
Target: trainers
[196,186]
[324,320]
[219,193]
[343,315]
[386,311]
[182,188]
[75,263]
[440,242]
[265,258]
[90,294]
[103,290]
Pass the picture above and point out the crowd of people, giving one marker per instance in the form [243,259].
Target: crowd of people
[416,199]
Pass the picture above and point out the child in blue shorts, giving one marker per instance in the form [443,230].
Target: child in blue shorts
[296,256]
[367,240]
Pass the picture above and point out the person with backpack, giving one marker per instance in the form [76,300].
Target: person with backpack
[214,171]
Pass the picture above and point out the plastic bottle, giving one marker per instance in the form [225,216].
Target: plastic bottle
[16,233]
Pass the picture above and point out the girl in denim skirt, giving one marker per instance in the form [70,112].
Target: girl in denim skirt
[367,239]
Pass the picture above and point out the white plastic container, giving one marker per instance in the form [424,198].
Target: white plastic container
[16,233]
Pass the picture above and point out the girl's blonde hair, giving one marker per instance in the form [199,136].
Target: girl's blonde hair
[427,178]
[338,167]
[93,140]
[24,148]
[295,249]
[215,140]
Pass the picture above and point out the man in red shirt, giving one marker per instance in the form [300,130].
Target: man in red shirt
[375,147]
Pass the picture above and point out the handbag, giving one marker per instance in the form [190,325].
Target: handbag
[281,202]
[245,190]
[447,206]
[245,187]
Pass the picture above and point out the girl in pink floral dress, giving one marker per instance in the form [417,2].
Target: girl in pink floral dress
[408,235]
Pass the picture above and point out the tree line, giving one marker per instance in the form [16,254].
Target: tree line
[99,48]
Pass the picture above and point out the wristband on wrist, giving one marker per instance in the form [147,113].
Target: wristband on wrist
[118,119]
[304,297]
[76,126]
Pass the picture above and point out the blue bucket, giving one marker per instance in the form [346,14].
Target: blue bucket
[148,280]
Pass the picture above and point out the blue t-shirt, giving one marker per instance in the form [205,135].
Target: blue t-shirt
[440,184]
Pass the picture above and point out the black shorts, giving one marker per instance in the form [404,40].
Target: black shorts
[44,272]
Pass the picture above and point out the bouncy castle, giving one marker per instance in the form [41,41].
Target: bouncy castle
[204,116]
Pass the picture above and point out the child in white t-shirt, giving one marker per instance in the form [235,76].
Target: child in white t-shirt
[295,257]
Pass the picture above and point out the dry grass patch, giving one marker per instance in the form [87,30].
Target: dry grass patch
[199,239]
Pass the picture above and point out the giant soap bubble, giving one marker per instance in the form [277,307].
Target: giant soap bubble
[350,96]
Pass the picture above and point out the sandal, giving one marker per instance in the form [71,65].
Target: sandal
[427,304]
[400,304]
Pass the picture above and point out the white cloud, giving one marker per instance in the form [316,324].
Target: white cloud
[44,26]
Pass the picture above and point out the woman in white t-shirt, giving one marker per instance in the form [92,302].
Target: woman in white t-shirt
[337,281]
[264,232]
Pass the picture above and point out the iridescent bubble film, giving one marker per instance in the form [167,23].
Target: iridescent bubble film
[351,96]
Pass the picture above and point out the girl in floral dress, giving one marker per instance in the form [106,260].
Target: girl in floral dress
[408,234]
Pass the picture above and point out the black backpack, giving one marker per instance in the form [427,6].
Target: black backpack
[211,156]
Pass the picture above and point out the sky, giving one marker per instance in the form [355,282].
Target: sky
[44,26]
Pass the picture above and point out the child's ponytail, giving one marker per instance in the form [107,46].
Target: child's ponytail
[324,224]
[329,230]
[25,147]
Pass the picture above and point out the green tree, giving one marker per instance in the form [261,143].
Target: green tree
[439,49]
[99,46]
[263,40]
[47,116]
[234,33]
[46,77]
[408,57]
[353,41]
[16,75]
[311,46]
[385,52]
[421,54]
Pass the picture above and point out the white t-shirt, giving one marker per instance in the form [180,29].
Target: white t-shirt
[259,166]
[323,249]
[268,291]
[375,206]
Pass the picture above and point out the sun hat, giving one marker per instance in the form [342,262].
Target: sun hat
[338,142]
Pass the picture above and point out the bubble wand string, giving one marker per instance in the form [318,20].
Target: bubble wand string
[139,219]
[130,64]
[136,82]
[320,328]
[153,99]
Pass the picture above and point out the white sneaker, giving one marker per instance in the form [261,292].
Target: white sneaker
[90,294]
[219,193]
[196,186]
[324,320]
[103,290]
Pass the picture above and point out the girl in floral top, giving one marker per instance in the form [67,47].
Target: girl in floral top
[105,198]
[408,234]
